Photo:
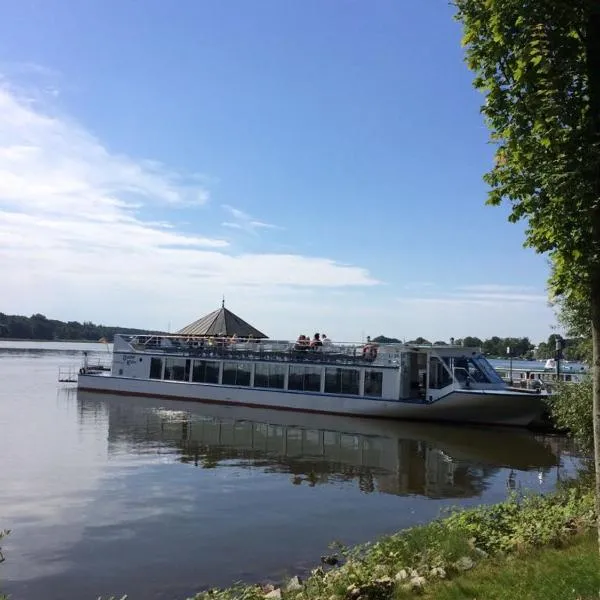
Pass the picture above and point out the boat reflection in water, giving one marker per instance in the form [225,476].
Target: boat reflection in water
[401,458]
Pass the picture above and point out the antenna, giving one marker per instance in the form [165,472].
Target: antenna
[223,302]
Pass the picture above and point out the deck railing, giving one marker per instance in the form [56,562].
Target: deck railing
[266,351]
[67,374]
[93,364]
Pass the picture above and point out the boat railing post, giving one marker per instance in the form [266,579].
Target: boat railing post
[559,347]
[467,383]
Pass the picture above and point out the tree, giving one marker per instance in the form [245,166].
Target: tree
[538,64]
[39,327]
[494,346]
[472,342]
[382,339]
[574,316]
[420,341]
[572,410]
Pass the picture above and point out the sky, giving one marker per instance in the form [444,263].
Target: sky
[318,164]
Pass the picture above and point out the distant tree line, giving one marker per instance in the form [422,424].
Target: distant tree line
[574,348]
[38,327]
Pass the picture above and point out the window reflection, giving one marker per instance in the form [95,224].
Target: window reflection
[177,369]
[235,373]
[473,369]
[373,383]
[205,371]
[342,381]
[156,368]
[306,379]
[439,377]
[269,376]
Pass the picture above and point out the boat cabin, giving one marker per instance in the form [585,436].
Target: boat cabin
[385,371]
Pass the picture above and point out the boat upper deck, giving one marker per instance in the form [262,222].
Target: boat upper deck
[351,354]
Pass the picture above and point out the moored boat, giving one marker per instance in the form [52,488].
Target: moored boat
[397,381]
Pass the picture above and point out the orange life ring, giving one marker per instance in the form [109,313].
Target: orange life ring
[370,352]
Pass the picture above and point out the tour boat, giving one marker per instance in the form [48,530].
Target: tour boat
[396,381]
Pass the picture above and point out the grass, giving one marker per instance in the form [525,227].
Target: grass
[572,572]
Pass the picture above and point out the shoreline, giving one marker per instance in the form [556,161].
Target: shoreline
[414,560]
[533,546]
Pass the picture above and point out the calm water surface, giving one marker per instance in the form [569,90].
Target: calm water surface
[109,495]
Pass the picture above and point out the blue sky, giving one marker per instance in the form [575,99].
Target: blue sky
[319,163]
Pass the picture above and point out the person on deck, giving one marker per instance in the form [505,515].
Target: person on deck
[369,350]
[316,341]
[302,343]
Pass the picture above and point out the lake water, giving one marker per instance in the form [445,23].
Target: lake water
[111,495]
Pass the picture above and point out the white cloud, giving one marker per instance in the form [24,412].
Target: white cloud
[482,294]
[477,309]
[418,285]
[495,288]
[244,221]
[54,165]
[499,298]
[77,240]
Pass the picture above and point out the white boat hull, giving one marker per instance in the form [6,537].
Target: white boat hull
[499,407]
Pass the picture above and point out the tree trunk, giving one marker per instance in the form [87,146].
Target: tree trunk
[596,391]
[592,47]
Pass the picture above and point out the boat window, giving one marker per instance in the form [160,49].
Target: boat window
[244,371]
[478,370]
[205,371]
[269,376]
[342,381]
[229,372]
[373,383]
[236,373]
[439,377]
[486,367]
[305,379]
[156,368]
[177,369]
[414,375]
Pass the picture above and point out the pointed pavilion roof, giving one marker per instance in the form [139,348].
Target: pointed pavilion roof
[221,322]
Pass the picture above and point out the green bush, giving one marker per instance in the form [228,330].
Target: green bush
[527,523]
[571,409]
